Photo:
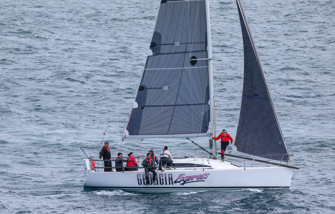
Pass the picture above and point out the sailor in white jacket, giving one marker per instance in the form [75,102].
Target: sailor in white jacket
[165,159]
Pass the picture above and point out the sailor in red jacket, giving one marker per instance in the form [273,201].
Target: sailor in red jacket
[131,162]
[225,137]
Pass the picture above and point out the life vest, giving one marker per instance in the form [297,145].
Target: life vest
[93,163]
[225,137]
[149,162]
[108,149]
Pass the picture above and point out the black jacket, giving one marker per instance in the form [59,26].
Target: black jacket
[119,162]
[148,163]
[105,154]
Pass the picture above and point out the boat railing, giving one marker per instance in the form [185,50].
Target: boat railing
[98,165]
[239,161]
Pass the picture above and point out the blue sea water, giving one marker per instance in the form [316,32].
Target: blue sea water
[69,70]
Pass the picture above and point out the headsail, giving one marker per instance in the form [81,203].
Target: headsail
[173,96]
[258,131]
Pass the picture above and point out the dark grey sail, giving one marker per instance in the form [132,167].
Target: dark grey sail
[258,131]
[173,95]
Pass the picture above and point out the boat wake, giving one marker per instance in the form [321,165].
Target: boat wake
[114,192]
[255,190]
[189,193]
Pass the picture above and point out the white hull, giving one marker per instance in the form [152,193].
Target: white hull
[219,176]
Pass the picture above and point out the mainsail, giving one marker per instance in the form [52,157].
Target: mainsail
[258,131]
[173,96]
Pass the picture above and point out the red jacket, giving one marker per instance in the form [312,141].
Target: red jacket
[224,137]
[131,161]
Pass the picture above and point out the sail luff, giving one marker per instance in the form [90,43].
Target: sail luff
[211,77]
[258,130]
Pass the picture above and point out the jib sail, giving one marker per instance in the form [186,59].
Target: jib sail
[258,131]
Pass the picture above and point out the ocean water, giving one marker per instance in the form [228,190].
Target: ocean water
[69,70]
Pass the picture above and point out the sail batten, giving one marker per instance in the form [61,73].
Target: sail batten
[165,136]
[173,96]
[258,131]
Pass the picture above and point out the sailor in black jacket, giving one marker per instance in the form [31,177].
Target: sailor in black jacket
[119,162]
[106,154]
[150,166]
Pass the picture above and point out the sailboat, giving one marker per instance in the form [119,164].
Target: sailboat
[175,99]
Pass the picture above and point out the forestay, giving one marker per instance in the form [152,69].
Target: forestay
[173,96]
[258,131]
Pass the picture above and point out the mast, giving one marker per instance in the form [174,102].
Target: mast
[211,79]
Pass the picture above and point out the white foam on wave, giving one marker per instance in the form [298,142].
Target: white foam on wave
[189,193]
[114,192]
[255,190]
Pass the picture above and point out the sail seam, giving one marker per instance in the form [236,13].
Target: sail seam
[184,52]
[182,1]
[195,27]
[195,104]
[168,135]
[186,43]
[153,69]
[256,97]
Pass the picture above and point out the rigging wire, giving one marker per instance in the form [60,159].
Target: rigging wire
[139,154]
[103,136]
[210,153]
[118,149]
[296,172]
[85,153]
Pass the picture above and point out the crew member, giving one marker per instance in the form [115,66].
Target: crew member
[225,137]
[153,157]
[165,159]
[131,162]
[149,165]
[119,162]
[106,154]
